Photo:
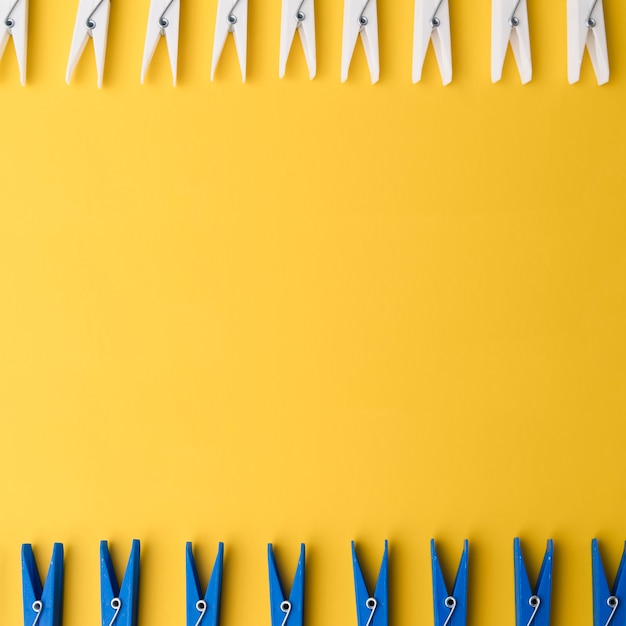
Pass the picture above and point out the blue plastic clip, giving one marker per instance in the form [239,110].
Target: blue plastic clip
[372,610]
[532,607]
[204,610]
[450,609]
[286,612]
[119,606]
[42,606]
[608,605]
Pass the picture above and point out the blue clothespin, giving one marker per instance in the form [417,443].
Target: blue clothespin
[450,609]
[532,607]
[372,610]
[42,606]
[119,606]
[204,611]
[608,604]
[286,612]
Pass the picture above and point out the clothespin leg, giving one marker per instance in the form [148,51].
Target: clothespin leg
[172,49]
[351,29]
[218,47]
[241,41]
[52,595]
[307,38]
[442,44]
[20,36]
[500,35]
[422,30]
[222,28]
[370,42]
[4,38]
[288,26]
[576,39]
[76,51]
[99,36]
[596,44]
[153,35]
[520,44]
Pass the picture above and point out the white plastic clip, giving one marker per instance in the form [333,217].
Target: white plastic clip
[510,23]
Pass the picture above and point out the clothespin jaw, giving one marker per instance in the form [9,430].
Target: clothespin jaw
[432,22]
[298,15]
[510,24]
[92,21]
[450,608]
[14,16]
[372,610]
[360,17]
[532,607]
[204,610]
[43,606]
[232,17]
[286,612]
[609,604]
[586,27]
[119,605]
[163,21]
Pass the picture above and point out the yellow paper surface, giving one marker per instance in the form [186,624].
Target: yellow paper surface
[294,311]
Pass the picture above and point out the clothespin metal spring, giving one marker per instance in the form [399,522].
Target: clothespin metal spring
[90,22]
[37,606]
[450,602]
[285,607]
[371,604]
[116,604]
[163,21]
[533,601]
[300,16]
[9,22]
[435,22]
[363,21]
[201,607]
[232,18]
[514,20]
[612,602]
[591,23]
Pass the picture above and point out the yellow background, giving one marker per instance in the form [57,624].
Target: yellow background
[305,311]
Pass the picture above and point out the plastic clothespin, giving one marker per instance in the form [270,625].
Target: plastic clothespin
[609,605]
[450,608]
[286,612]
[432,21]
[510,23]
[232,17]
[163,21]
[204,610]
[532,608]
[585,27]
[298,15]
[119,605]
[42,606]
[360,17]
[372,610]
[14,14]
[92,21]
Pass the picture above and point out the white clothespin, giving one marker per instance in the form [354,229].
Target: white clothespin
[163,21]
[92,21]
[14,15]
[510,23]
[232,17]
[297,15]
[585,27]
[432,21]
[360,18]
